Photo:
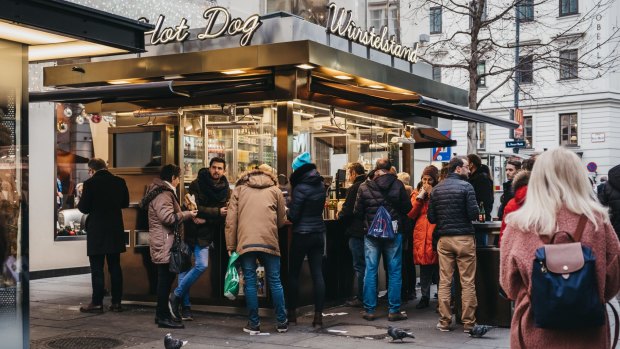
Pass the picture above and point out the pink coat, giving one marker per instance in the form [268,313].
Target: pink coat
[516,262]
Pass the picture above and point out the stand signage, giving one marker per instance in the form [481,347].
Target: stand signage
[340,23]
[231,26]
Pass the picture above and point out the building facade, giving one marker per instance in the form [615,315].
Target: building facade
[569,86]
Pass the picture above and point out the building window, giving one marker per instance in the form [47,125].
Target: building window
[525,71]
[568,7]
[481,128]
[568,65]
[379,17]
[437,74]
[528,129]
[568,130]
[482,81]
[435,20]
[525,11]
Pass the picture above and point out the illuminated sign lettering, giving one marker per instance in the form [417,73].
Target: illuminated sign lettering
[340,23]
[231,26]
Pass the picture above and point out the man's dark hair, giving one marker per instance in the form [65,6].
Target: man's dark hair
[169,171]
[97,164]
[217,159]
[454,163]
[383,164]
[516,164]
[357,168]
[528,164]
[475,160]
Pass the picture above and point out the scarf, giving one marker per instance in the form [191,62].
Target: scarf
[217,192]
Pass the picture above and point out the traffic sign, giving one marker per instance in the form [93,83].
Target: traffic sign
[592,166]
[515,144]
[442,153]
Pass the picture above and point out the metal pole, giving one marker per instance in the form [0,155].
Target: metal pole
[517,77]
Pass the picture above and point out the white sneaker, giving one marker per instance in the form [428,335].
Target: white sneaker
[443,328]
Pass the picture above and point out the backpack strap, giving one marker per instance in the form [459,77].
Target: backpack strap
[617,321]
[576,236]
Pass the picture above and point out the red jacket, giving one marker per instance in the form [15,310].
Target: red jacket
[423,253]
[512,205]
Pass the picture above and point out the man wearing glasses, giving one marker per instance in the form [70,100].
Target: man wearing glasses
[104,195]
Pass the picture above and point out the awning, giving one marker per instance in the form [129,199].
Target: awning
[430,138]
[415,104]
[153,90]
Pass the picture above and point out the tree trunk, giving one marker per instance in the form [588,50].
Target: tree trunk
[472,132]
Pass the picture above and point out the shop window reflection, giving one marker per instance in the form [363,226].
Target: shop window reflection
[74,147]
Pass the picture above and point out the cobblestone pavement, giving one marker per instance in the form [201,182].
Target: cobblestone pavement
[55,322]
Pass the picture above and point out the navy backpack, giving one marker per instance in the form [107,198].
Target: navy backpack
[564,286]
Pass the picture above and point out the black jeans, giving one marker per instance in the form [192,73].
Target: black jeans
[408,269]
[164,283]
[116,277]
[427,273]
[313,245]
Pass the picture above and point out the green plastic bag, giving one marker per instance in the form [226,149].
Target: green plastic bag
[231,280]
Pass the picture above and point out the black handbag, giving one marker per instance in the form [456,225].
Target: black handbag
[180,253]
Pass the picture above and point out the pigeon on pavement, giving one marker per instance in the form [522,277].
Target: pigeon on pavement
[480,330]
[173,343]
[397,333]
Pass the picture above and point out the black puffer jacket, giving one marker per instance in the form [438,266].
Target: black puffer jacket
[610,197]
[307,200]
[353,224]
[453,207]
[370,197]
[483,187]
[506,196]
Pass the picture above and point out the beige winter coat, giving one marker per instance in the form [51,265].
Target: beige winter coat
[255,212]
[163,210]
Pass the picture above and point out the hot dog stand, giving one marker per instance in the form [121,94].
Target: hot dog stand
[253,105]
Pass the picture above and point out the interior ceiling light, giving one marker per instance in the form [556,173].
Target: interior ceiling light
[376,86]
[173,77]
[305,66]
[233,72]
[69,50]
[29,36]
[343,77]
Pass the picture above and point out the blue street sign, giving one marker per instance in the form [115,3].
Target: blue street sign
[442,153]
[515,144]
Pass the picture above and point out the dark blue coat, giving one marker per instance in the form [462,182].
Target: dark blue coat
[372,193]
[453,207]
[307,200]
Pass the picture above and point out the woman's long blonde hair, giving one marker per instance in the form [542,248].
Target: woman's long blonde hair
[557,180]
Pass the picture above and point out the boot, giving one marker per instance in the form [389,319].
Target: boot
[318,319]
[423,303]
[292,316]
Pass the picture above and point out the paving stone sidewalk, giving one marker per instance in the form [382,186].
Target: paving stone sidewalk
[57,323]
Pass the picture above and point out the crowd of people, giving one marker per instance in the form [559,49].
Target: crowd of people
[430,226]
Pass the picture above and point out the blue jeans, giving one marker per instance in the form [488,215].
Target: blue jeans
[272,274]
[356,245]
[392,253]
[188,278]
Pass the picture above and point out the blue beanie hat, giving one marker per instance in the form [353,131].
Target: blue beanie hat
[300,160]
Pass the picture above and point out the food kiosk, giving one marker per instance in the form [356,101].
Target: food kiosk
[253,105]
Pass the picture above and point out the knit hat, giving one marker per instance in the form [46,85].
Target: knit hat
[431,171]
[300,160]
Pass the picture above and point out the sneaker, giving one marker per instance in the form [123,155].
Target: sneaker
[468,329]
[186,313]
[282,328]
[92,309]
[443,328]
[174,303]
[368,316]
[398,316]
[252,329]
[115,307]
[169,323]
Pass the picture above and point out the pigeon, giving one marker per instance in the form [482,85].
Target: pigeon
[397,333]
[173,343]
[480,330]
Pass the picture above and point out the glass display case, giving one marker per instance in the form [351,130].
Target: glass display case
[243,135]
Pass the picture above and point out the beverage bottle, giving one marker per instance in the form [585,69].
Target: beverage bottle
[482,216]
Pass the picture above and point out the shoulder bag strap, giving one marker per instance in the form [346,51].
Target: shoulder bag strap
[617,321]
[576,236]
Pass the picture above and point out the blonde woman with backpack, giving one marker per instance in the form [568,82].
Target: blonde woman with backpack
[559,209]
